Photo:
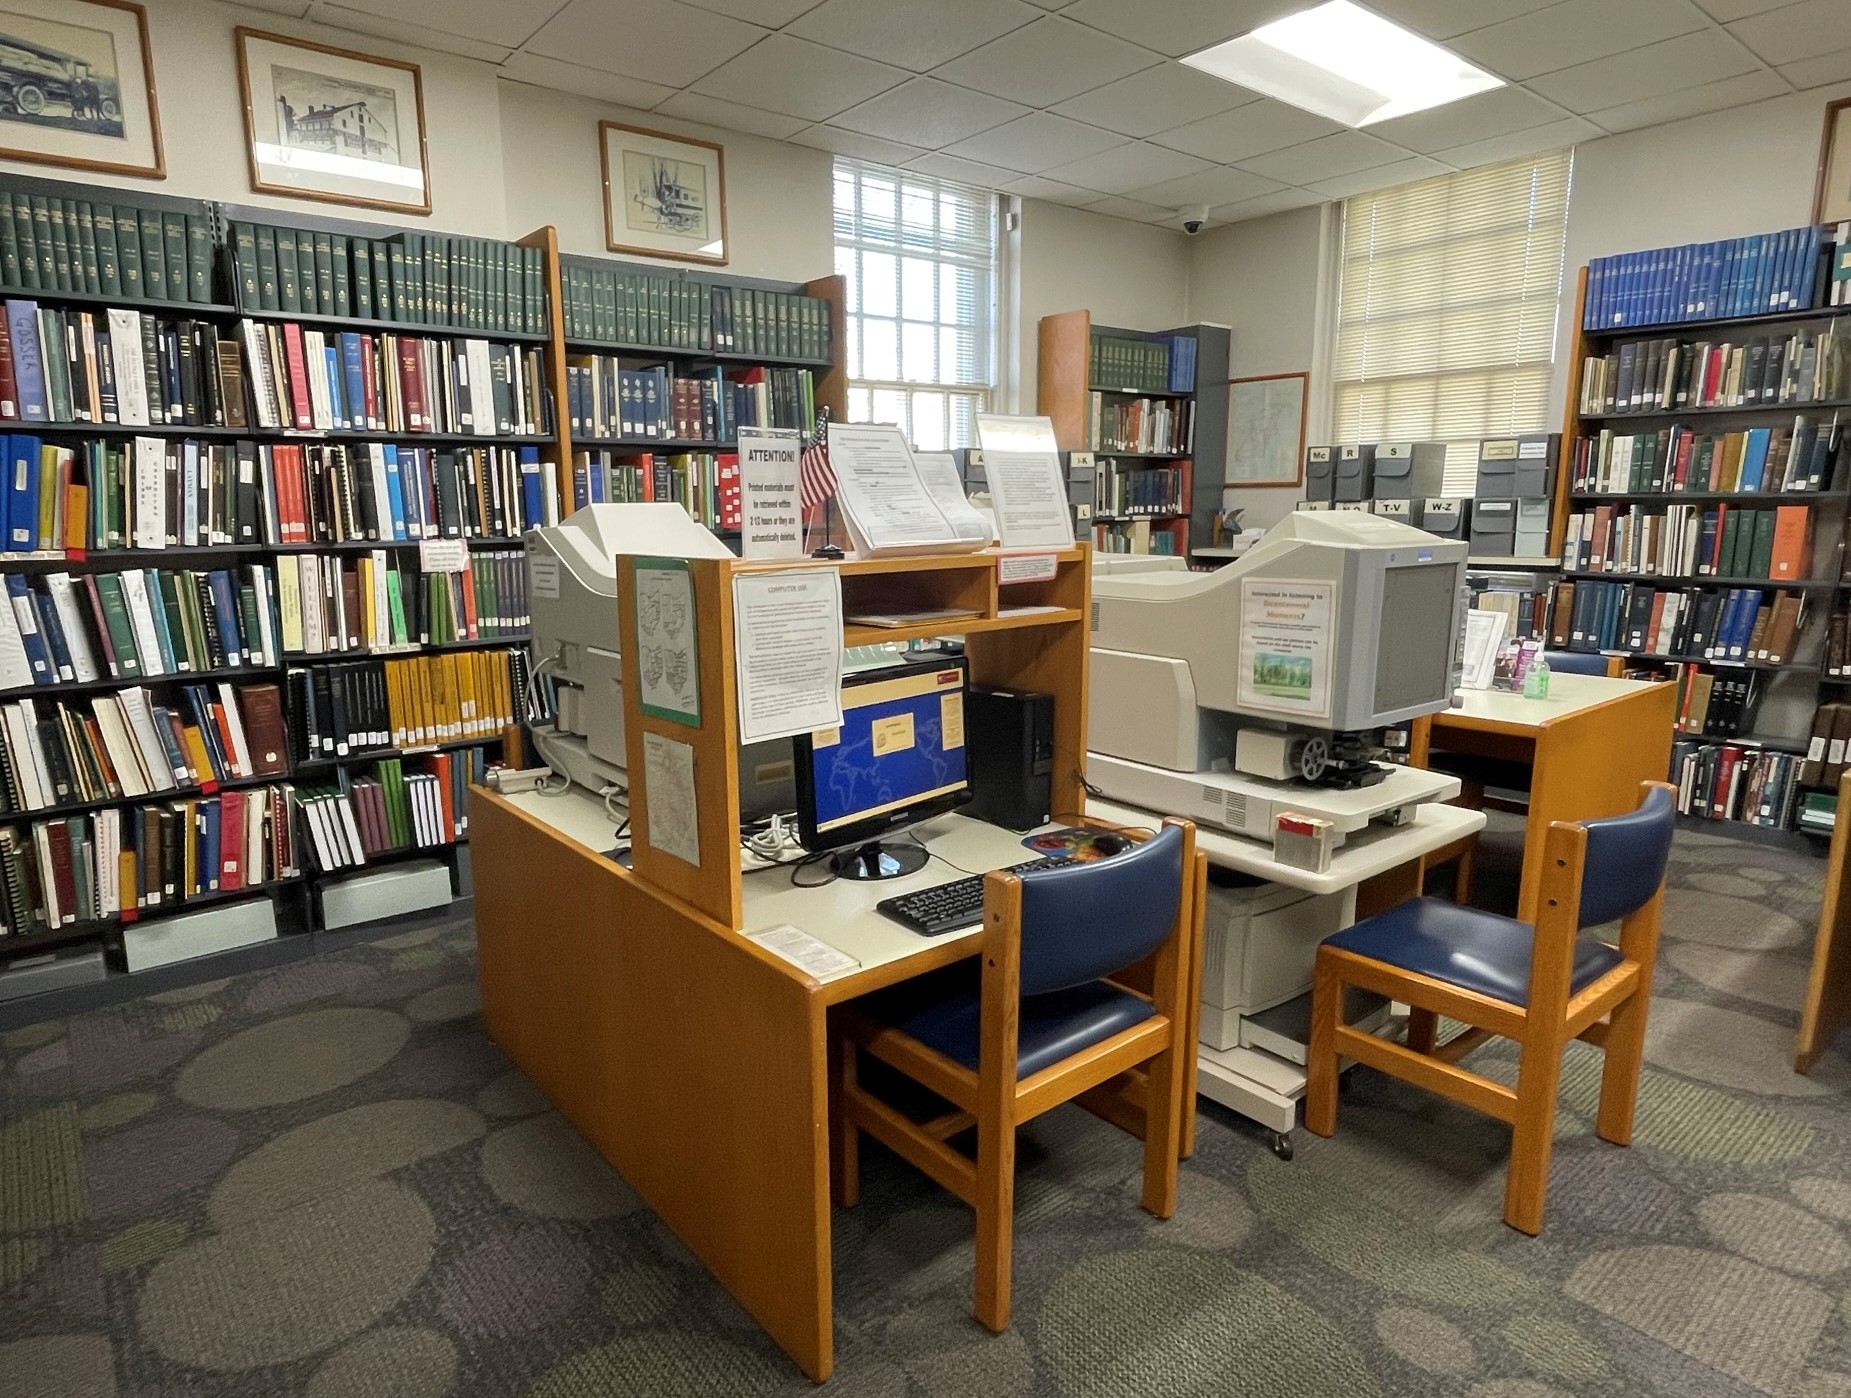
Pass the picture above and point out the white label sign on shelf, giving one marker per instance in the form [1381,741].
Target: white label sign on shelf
[446,555]
[1026,567]
[769,485]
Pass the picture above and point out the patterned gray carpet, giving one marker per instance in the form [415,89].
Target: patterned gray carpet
[324,1180]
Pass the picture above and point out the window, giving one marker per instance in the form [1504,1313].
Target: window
[1447,309]
[919,257]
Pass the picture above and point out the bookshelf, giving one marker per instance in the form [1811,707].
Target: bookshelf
[1679,436]
[1135,402]
[721,351]
[250,577]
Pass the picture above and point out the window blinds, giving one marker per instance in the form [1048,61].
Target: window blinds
[1447,309]
[919,257]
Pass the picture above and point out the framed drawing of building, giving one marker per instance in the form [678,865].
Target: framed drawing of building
[330,124]
[664,196]
[77,86]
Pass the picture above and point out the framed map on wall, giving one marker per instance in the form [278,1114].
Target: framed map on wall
[1266,430]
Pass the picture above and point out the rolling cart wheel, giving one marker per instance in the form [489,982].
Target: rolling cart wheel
[1282,1144]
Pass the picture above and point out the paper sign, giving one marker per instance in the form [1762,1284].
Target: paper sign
[787,643]
[884,500]
[671,811]
[1026,567]
[543,575]
[451,556]
[668,656]
[802,950]
[769,485]
[1286,646]
[1027,486]
[940,473]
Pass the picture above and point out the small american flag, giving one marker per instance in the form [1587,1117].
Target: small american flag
[817,476]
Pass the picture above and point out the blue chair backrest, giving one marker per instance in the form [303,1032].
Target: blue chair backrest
[1088,920]
[1626,857]
[1576,662]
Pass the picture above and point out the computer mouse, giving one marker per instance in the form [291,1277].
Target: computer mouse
[1109,845]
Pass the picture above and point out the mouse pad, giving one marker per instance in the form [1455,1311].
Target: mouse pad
[1072,843]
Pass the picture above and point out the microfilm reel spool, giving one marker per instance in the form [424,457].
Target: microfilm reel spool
[1313,758]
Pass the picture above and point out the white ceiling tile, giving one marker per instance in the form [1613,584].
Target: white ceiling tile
[399,32]
[1324,159]
[659,41]
[1177,27]
[909,34]
[295,9]
[1279,203]
[1727,10]
[1472,119]
[1410,171]
[856,145]
[1798,31]
[1117,206]
[586,82]
[1258,126]
[798,78]
[730,116]
[1051,191]
[1691,101]
[1517,144]
[1157,99]
[1051,4]
[1220,184]
[1035,143]
[1046,62]
[929,113]
[1690,60]
[773,14]
[1575,31]
[1128,167]
[1441,19]
[972,172]
[503,23]
[1817,72]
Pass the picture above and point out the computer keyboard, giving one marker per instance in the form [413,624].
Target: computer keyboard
[950,907]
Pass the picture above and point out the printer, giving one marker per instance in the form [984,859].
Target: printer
[572,592]
[1264,687]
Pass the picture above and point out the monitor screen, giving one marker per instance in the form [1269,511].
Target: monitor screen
[898,757]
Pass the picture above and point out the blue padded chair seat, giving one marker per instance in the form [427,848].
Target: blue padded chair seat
[1473,950]
[943,1012]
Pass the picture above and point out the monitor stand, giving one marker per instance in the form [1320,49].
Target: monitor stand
[879,860]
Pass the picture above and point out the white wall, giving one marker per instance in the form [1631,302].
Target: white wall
[1130,275]
[1261,277]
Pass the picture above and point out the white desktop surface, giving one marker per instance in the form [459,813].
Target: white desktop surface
[574,813]
[1568,694]
[842,912]
[1362,856]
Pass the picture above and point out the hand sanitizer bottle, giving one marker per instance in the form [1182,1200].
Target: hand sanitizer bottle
[1536,679]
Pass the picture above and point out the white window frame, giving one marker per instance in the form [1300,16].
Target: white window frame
[904,398]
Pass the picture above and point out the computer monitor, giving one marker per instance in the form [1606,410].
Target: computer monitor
[898,758]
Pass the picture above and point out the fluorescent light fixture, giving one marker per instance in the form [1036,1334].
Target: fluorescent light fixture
[1346,63]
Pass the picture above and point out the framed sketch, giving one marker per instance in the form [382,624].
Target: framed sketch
[1266,430]
[664,196]
[331,124]
[1831,200]
[77,86]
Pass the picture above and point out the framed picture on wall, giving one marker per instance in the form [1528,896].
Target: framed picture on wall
[330,124]
[1831,200]
[664,196]
[77,86]
[1266,430]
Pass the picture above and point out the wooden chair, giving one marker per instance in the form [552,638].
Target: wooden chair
[1029,1024]
[1540,987]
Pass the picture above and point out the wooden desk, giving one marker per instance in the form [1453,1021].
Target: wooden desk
[1588,745]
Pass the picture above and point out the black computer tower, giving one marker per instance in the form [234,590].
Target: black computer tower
[1010,737]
